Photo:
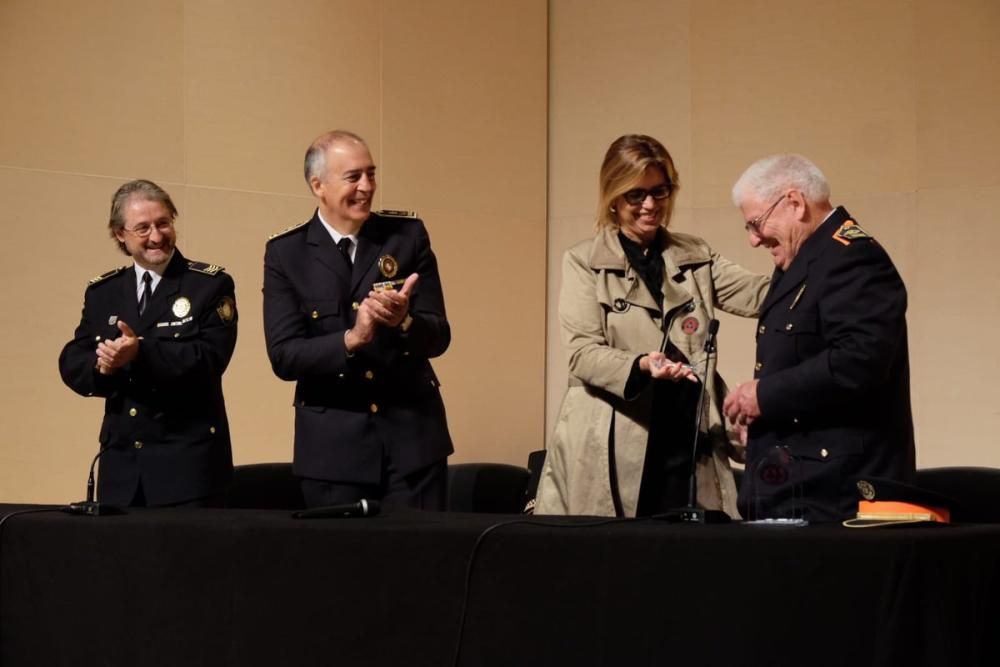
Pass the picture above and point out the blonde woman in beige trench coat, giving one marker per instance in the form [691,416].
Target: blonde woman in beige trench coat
[613,328]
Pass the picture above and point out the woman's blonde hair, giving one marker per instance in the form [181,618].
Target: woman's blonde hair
[627,159]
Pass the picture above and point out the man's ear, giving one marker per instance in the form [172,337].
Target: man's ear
[316,185]
[798,204]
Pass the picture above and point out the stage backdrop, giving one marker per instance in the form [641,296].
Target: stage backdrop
[490,119]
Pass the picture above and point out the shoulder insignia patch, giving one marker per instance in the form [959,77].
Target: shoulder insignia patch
[203,267]
[105,276]
[226,309]
[395,213]
[850,231]
[287,230]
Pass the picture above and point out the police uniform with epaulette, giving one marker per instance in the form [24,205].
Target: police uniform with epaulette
[165,422]
[355,415]
[834,379]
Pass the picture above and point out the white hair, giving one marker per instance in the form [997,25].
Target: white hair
[769,176]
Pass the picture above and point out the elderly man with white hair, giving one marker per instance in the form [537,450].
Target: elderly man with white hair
[830,399]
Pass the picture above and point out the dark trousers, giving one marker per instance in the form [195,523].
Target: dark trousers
[425,489]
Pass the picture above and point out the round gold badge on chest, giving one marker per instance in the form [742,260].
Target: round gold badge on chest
[181,307]
[388,266]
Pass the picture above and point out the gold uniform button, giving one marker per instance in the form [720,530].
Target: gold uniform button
[133,412]
[369,375]
[315,314]
[355,305]
[758,366]
[823,453]
[761,329]
[211,429]
[373,407]
[138,444]
[789,326]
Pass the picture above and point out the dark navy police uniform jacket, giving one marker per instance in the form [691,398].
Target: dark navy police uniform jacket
[834,375]
[164,415]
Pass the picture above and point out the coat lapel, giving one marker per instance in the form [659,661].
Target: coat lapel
[679,289]
[783,283]
[363,275]
[615,275]
[325,253]
[130,299]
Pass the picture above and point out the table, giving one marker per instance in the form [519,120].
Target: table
[249,587]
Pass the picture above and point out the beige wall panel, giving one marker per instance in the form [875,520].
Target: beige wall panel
[263,78]
[464,143]
[258,403]
[464,112]
[492,374]
[615,68]
[50,433]
[92,87]
[958,93]
[953,316]
[833,81]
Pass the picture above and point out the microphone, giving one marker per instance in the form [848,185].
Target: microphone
[361,508]
[692,513]
[90,507]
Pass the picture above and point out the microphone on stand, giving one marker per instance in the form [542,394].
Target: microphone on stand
[91,507]
[691,513]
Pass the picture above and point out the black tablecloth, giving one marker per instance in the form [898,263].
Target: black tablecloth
[232,587]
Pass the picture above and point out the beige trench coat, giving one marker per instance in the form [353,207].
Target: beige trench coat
[609,318]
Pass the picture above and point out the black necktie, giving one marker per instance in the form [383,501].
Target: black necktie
[345,248]
[147,292]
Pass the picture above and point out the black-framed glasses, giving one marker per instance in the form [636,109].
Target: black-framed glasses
[757,223]
[638,195]
[144,230]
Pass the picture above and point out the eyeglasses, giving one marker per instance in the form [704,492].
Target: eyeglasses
[144,230]
[757,223]
[638,195]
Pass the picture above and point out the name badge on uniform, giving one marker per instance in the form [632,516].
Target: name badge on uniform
[386,285]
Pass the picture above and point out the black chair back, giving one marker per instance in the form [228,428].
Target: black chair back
[976,491]
[492,488]
[265,486]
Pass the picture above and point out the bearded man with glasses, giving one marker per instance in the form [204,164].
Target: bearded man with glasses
[153,341]
[830,398]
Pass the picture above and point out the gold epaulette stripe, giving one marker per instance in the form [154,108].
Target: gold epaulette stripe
[105,276]
[286,230]
[396,213]
[202,267]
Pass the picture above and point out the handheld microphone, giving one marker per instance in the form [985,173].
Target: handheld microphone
[90,507]
[361,508]
[692,513]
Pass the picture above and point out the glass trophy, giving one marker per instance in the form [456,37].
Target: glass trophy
[775,489]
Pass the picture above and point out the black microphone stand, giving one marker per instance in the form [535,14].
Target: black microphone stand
[91,507]
[691,513]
